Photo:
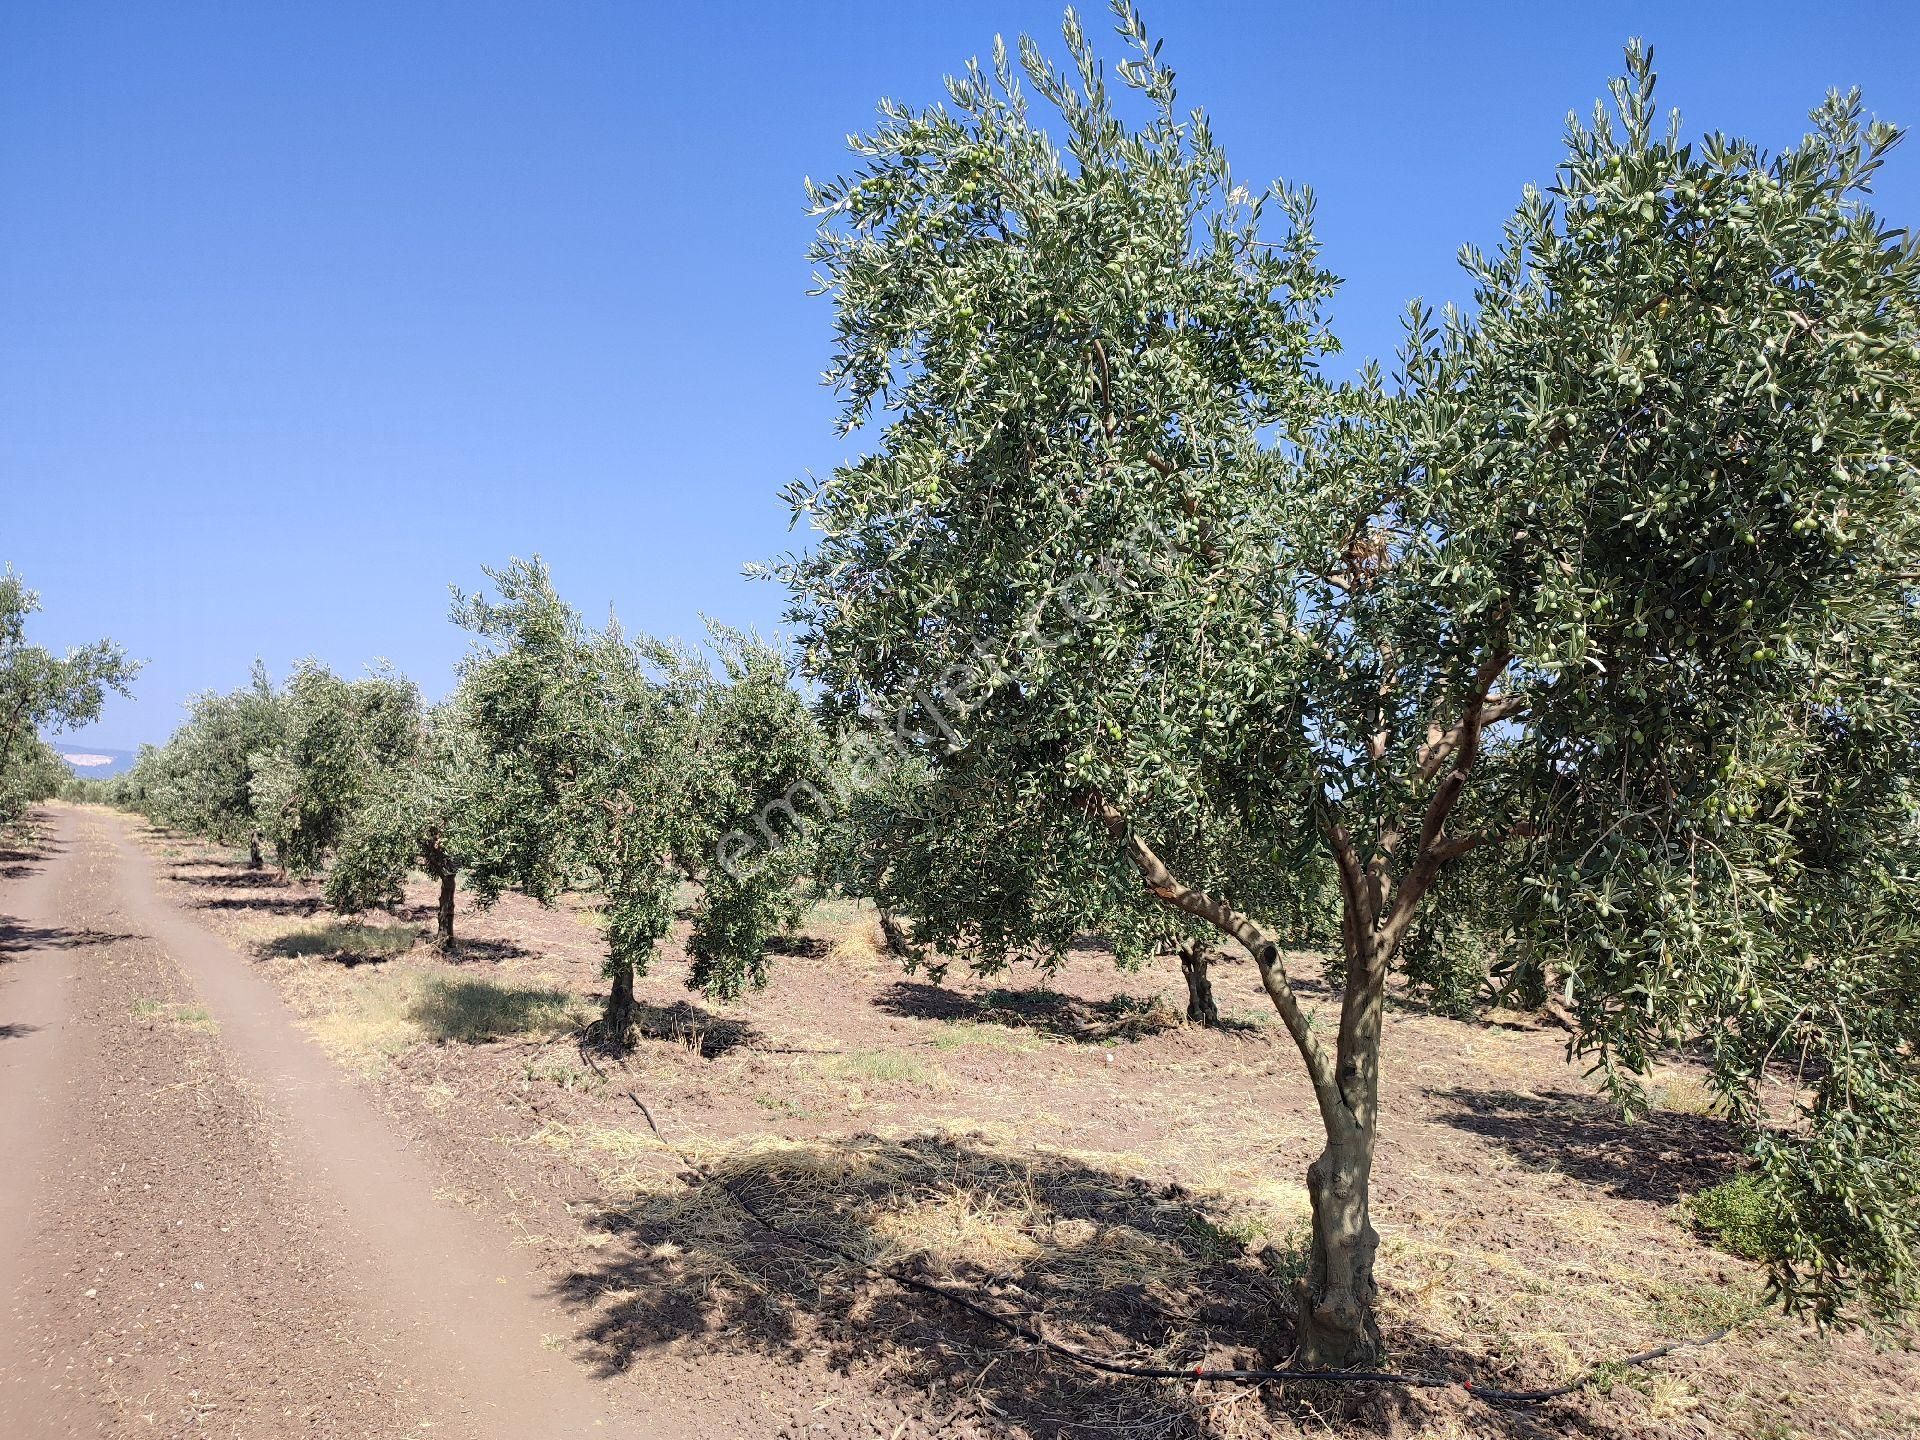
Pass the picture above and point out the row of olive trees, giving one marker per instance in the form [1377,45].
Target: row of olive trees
[42,694]
[566,759]
[292,766]
[1598,630]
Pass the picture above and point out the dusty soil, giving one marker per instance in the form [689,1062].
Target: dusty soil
[192,1255]
[1060,1146]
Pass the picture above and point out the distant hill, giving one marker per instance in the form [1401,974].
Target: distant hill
[92,762]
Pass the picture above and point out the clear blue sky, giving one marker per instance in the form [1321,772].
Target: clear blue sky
[308,311]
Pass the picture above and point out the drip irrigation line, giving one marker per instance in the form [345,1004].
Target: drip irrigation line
[1534,1397]
[1029,1327]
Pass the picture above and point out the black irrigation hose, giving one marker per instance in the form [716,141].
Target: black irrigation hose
[1028,1329]
[1534,1397]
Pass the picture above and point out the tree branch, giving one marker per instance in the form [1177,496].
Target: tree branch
[1439,744]
[1167,887]
[1453,849]
[1433,851]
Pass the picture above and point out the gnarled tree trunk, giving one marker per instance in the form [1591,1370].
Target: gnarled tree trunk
[1336,1326]
[1336,1329]
[1201,1009]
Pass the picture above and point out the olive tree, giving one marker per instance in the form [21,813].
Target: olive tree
[1661,496]
[336,737]
[421,811]
[585,734]
[1188,612]
[758,795]
[42,693]
[202,779]
[622,765]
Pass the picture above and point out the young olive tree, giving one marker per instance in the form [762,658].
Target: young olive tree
[624,767]
[1188,612]
[202,779]
[337,737]
[758,795]
[42,693]
[421,812]
[586,736]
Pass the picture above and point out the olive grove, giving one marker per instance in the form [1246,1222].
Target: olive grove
[1579,657]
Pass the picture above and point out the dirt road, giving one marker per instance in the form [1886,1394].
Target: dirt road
[204,1227]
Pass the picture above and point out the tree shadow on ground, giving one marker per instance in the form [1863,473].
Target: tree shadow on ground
[467,949]
[474,948]
[799,947]
[15,1031]
[232,875]
[303,905]
[691,1027]
[345,941]
[17,937]
[471,950]
[1659,1157]
[227,877]
[472,1012]
[1045,1012]
[18,861]
[1111,1263]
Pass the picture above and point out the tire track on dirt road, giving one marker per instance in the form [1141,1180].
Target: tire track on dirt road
[37,963]
[222,1235]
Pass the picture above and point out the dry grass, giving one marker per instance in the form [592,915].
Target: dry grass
[889,1068]
[369,1017]
[860,945]
[852,934]
[1596,1284]
[1263,1206]
[348,940]
[1681,1093]
[960,1034]
[196,1017]
[626,1161]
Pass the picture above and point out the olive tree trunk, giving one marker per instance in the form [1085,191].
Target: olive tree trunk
[255,860]
[1336,1329]
[894,933]
[1201,1009]
[617,1020]
[443,920]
